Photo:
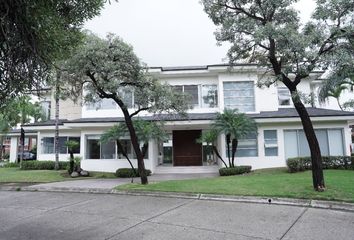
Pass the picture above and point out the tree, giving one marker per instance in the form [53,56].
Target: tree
[109,69]
[19,110]
[72,146]
[210,137]
[270,33]
[235,126]
[145,131]
[33,35]
[341,78]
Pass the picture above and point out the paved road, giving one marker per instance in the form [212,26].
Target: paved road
[41,215]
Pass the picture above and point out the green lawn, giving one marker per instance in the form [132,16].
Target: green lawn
[268,182]
[15,175]
[30,176]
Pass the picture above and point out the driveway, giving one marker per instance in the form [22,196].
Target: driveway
[43,215]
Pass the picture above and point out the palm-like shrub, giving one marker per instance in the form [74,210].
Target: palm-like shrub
[235,126]
[72,145]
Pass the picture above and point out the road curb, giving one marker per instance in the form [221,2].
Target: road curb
[332,205]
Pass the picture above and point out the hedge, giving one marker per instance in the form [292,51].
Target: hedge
[328,162]
[128,172]
[11,165]
[43,165]
[234,170]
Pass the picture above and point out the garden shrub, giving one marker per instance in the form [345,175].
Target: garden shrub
[11,165]
[128,172]
[234,170]
[299,164]
[43,165]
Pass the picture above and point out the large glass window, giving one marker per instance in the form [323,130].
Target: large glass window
[46,108]
[247,147]
[76,139]
[284,97]
[108,104]
[48,145]
[108,150]
[204,96]
[93,147]
[239,95]
[270,143]
[210,96]
[330,141]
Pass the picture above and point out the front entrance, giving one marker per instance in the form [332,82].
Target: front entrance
[186,150]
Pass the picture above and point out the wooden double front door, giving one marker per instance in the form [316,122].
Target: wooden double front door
[186,150]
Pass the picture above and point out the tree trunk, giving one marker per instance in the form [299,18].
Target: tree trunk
[71,164]
[218,155]
[136,147]
[228,140]
[56,138]
[234,149]
[125,155]
[316,159]
[1,147]
[144,149]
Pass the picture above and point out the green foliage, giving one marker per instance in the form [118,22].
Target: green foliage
[11,165]
[33,35]
[72,145]
[234,170]
[108,68]
[43,165]
[6,156]
[328,162]
[128,173]
[237,125]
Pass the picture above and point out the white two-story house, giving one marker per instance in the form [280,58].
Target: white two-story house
[212,89]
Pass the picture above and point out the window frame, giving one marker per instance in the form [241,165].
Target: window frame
[271,145]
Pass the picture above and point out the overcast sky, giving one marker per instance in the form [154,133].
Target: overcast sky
[167,32]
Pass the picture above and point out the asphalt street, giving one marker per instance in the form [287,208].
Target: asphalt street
[43,215]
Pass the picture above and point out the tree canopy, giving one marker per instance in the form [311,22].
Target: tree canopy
[270,33]
[33,35]
[109,69]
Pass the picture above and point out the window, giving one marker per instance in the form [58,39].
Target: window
[48,145]
[204,96]
[97,150]
[247,147]
[108,150]
[127,97]
[102,104]
[76,139]
[284,97]
[239,95]
[49,148]
[330,141]
[46,108]
[270,143]
[209,96]
[93,150]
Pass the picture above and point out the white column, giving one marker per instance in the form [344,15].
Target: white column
[13,149]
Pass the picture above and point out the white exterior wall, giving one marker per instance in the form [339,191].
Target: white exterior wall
[262,161]
[51,157]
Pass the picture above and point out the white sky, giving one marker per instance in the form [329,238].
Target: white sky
[167,32]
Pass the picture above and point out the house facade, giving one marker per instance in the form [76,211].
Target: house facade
[212,88]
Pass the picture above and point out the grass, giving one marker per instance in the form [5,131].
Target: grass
[267,182]
[15,175]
